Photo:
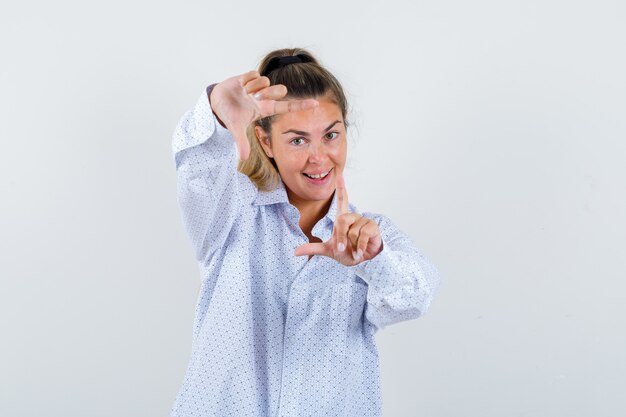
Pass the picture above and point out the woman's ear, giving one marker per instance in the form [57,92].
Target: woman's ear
[264,140]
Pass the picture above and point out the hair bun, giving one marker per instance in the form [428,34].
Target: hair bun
[282,61]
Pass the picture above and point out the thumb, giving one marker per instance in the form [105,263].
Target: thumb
[313,249]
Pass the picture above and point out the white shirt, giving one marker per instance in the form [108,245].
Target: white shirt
[275,334]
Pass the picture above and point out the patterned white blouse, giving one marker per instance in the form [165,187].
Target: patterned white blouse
[275,334]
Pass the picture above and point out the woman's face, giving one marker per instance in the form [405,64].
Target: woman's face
[309,148]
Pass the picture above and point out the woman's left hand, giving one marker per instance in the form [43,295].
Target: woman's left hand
[355,238]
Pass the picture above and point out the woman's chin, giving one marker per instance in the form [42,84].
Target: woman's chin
[308,194]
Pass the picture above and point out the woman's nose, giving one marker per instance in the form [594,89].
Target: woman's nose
[316,152]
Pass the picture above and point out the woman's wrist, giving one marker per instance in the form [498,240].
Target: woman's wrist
[209,90]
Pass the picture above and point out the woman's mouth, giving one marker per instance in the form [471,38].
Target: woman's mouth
[317,178]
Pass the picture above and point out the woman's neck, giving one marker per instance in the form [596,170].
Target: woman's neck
[311,212]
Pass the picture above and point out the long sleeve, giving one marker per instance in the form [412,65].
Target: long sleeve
[211,191]
[401,280]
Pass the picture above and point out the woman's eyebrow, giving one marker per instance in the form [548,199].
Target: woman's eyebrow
[300,132]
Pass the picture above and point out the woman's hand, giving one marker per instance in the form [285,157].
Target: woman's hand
[240,100]
[355,238]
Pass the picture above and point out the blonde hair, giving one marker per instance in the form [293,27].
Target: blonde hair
[306,79]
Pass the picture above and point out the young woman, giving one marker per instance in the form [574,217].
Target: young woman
[295,281]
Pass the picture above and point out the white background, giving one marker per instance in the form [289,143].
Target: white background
[493,132]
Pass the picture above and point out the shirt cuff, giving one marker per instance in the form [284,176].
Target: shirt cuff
[197,126]
[375,270]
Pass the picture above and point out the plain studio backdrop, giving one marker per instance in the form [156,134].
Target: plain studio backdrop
[493,132]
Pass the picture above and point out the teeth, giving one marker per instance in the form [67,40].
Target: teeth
[317,176]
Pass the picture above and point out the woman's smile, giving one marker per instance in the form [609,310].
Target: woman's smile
[318,178]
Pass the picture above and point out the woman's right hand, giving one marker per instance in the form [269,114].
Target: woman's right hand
[240,100]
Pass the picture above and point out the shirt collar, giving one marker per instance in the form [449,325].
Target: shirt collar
[332,210]
[279,195]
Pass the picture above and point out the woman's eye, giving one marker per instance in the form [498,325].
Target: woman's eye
[297,141]
[332,135]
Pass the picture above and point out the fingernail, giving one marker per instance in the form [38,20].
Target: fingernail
[358,255]
[341,247]
[257,96]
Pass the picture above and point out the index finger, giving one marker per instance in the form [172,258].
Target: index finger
[288,106]
[342,195]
